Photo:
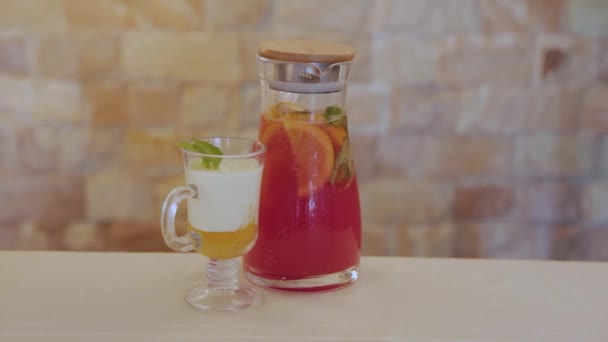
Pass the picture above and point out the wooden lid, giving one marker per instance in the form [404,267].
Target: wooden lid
[306,51]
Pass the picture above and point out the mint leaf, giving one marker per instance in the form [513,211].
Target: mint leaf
[343,166]
[187,146]
[199,146]
[334,116]
[332,112]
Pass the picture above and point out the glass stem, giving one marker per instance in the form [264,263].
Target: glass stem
[223,274]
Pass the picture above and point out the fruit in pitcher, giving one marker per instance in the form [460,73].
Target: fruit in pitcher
[313,156]
[283,108]
[309,189]
[337,134]
[311,149]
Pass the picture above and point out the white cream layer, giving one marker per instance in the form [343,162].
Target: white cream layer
[227,197]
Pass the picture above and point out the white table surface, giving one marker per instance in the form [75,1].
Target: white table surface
[58,296]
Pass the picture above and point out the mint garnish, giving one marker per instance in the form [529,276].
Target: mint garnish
[343,165]
[334,116]
[199,146]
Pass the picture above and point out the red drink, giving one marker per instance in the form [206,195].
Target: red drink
[309,219]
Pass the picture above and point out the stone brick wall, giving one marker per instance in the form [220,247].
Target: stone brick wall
[479,126]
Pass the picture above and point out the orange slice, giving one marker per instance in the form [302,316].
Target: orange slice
[282,108]
[337,134]
[313,155]
[305,117]
[268,130]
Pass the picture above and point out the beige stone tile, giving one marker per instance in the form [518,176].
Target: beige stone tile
[472,59]
[133,236]
[425,16]
[399,201]
[506,240]
[49,200]
[569,242]
[602,163]
[483,201]
[553,155]
[8,149]
[73,154]
[57,102]
[508,110]
[398,154]
[404,59]
[35,15]
[425,108]
[444,157]
[565,59]
[362,65]
[38,149]
[451,16]
[113,194]
[596,99]
[184,56]
[152,104]
[17,99]
[250,104]
[548,202]
[587,16]
[396,15]
[82,236]
[595,202]
[368,107]
[603,60]
[427,240]
[98,14]
[103,148]
[319,14]
[499,16]
[522,15]
[180,14]
[373,244]
[378,238]
[248,133]
[135,14]
[466,240]
[151,152]
[45,149]
[8,236]
[237,14]
[55,56]
[14,54]
[11,201]
[206,105]
[248,44]
[363,147]
[32,237]
[598,244]
[109,103]
[80,55]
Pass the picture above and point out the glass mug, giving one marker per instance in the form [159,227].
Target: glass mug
[222,218]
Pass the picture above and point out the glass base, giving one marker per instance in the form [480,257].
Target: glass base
[325,282]
[203,299]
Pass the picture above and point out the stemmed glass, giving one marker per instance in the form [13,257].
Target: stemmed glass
[222,195]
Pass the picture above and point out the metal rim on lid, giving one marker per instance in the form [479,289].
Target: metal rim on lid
[306,66]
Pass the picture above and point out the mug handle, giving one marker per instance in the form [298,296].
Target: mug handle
[186,242]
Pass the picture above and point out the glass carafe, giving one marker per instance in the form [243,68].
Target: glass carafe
[309,235]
